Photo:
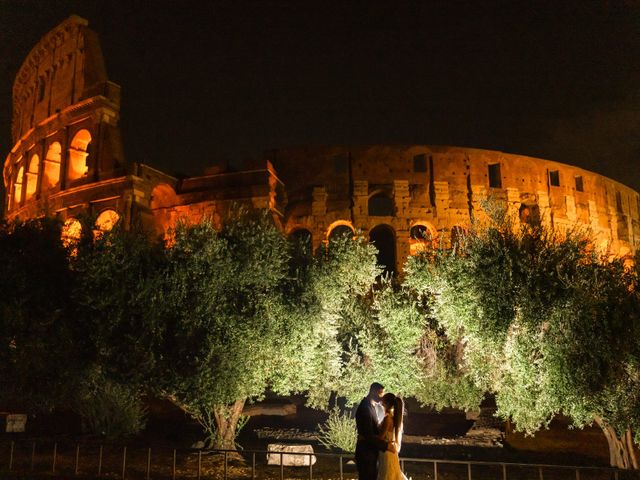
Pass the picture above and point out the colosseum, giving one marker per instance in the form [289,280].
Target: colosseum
[68,159]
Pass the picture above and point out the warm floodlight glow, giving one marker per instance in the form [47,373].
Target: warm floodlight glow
[51,167]
[78,155]
[32,177]
[71,232]
[107,220]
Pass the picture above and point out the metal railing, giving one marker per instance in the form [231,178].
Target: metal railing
[95,461]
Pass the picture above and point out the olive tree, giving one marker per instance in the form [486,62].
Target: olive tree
[226,321]
[119,303]
[545,324]
[41,359]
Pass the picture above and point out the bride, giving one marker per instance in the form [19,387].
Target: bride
[391,431]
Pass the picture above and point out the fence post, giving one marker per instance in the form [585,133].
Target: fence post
[281,468]
[540,472]
[55,457]
[504,471]
[124,462]
[341,467]
[253,465]
[173,470]
[310,467]
[33,456]
[11,456]
[435,470]
[100,461]
[75,469]
[469,471]
[148,462]
[199,463]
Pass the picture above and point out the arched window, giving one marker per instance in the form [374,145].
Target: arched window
[17,187]
[303,239]
[71,232]
[51,167]
[340,231]
[163,196]
[421,238]
[380,205]
[32,177]
[383,238]
[107,220]
[529,214]
[77,167]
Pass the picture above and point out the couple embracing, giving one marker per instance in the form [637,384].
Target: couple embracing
[379,442]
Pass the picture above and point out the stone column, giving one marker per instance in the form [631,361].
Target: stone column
[360,203]
[319,202]
[442,201]
[594,219]
[401,197]
[570,205]
[402,248]
[545,208]
[513,203]
[613,223]
[478,194]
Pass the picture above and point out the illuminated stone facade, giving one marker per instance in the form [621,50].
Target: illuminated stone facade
[68,159]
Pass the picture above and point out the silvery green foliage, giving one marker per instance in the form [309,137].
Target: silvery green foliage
[545,324]
[339,431]
[110,409]
[226,318]
[340,275]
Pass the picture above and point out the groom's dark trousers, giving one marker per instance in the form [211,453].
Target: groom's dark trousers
[368,444]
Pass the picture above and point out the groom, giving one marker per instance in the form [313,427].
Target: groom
[369,444]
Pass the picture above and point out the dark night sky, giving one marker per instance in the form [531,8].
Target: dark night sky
[209,81]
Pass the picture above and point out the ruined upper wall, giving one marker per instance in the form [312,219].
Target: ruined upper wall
[61,70]
[442,188]
[65,122]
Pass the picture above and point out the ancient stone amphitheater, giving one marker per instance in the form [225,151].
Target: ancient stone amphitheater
[68,159]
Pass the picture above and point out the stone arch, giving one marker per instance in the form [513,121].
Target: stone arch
[78,153]
[107,220]
[163,196]
[17,187]
[163,199]
[71,232]
[380,204]
[529,213]
[340,228]
[422,236]
[383,237]
[51,167]
[31,177]
[303,237]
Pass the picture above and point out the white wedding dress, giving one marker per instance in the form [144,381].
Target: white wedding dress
[389,462]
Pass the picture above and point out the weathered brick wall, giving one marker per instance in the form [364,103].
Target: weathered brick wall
[442,187]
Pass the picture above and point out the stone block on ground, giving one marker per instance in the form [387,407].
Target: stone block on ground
[275,409]
[294,456]
[16,422]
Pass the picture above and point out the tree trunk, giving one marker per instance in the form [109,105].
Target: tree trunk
[227,417]
[621,448]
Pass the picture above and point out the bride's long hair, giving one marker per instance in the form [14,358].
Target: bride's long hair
[397,404]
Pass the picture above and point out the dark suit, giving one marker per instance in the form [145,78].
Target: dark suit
[368,444]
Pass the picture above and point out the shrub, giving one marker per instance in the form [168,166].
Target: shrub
[339,431]
[112,410]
